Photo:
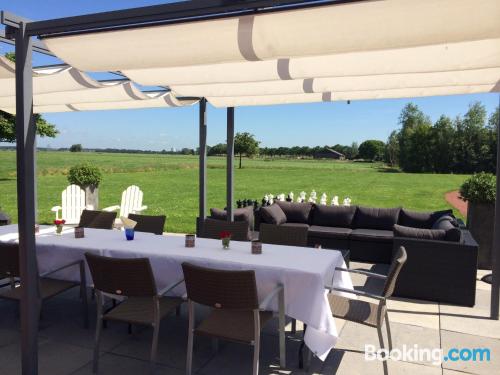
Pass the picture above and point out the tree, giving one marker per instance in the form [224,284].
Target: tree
[392,149]
[76,148]
[441,142]
[372,149]
[8,121]
[245,143]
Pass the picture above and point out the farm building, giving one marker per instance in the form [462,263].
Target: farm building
[329,154]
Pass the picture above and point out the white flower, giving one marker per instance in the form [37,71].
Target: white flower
[291,195]
[281,197]
[323,199]
[347,201]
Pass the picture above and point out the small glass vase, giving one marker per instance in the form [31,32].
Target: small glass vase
[225,243]
[59,229]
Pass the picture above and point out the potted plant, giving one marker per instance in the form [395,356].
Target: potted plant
[479,191]
[88,177]
[225,236]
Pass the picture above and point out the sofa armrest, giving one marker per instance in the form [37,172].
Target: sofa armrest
[442,271]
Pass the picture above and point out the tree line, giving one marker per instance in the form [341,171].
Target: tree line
[464,144]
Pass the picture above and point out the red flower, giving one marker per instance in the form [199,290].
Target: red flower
[225,234]
[59,222]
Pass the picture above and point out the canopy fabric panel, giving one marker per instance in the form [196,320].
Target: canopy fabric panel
[49,80]
[112,92]
[409,92]
[153,100]
[314,31]
[471,55]
[333,84]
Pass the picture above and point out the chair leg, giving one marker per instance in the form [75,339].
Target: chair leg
[294,326]
[389,337]
[83,295]
[281,319]
[95,366]
[154,347]
[381,340]
[256,341]
[189,357]
[178,311]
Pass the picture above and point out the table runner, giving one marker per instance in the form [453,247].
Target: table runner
[302,271]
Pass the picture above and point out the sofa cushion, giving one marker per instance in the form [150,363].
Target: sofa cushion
[449,225]
[329,232]
[295,225]
[273,214]
[296,212]
[418,219]
[420,233]
[376,218]
[375,235]
[333,216]
[240,214]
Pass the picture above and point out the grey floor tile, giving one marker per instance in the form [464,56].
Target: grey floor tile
[465,341]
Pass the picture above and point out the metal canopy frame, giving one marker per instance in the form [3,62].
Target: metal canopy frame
[20,32]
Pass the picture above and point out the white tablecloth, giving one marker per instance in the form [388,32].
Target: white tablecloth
[302,271]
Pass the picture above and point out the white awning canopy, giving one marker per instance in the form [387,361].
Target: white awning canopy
[152,100]
[361,50]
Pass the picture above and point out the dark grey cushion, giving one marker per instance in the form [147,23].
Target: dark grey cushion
[272,214]
[418,219]
[376,218]
[329,232]
[449,224]
[421,233]
[333,216]
[375,235]
[240,214]
[296,212]
[295,225]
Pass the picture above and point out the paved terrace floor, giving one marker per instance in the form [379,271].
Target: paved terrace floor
[66,348]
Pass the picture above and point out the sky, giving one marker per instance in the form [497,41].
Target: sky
[283,125]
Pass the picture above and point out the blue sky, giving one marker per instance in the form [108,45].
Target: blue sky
[285,125]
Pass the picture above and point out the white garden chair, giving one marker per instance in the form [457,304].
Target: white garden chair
[131,202]
[72,204]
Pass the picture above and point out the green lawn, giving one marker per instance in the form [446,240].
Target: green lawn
[170,183]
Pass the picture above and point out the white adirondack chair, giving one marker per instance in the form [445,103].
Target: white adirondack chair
[72,204]
[131,202]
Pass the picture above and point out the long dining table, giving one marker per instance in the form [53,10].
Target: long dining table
[302,271]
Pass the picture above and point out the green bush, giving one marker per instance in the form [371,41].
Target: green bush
[479,188]
[84,175]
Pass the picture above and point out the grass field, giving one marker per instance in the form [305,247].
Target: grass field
[170,183]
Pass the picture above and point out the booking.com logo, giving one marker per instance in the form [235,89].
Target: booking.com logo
[436,355]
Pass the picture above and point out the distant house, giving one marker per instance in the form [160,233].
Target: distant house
[329,154]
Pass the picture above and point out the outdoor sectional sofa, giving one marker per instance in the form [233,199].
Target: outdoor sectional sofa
[442,255]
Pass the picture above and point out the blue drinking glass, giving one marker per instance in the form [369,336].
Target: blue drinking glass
[129,234]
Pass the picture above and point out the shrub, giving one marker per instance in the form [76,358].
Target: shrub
[479,188]
[84,175]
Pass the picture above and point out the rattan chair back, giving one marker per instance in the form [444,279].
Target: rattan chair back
[132,277]
[283,235]
[147,223]
[396,265]
[9,260]
[213,227]
[222,289]
[97,219]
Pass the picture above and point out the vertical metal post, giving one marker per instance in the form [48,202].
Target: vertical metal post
[495,264]
[203,159]
[25,151]
[230,164]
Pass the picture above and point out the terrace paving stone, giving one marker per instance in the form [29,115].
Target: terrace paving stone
[472,320]
[461,340]
[414,312]
[354,337]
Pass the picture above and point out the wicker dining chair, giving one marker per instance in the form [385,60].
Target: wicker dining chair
[236,314]
[97,219]
[47,287]
[130,281]
[211,228]
[283,235]
[147,223]
[369,313]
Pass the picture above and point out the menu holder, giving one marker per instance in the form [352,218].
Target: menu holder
[79,232]
[190,240]
[256,247]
